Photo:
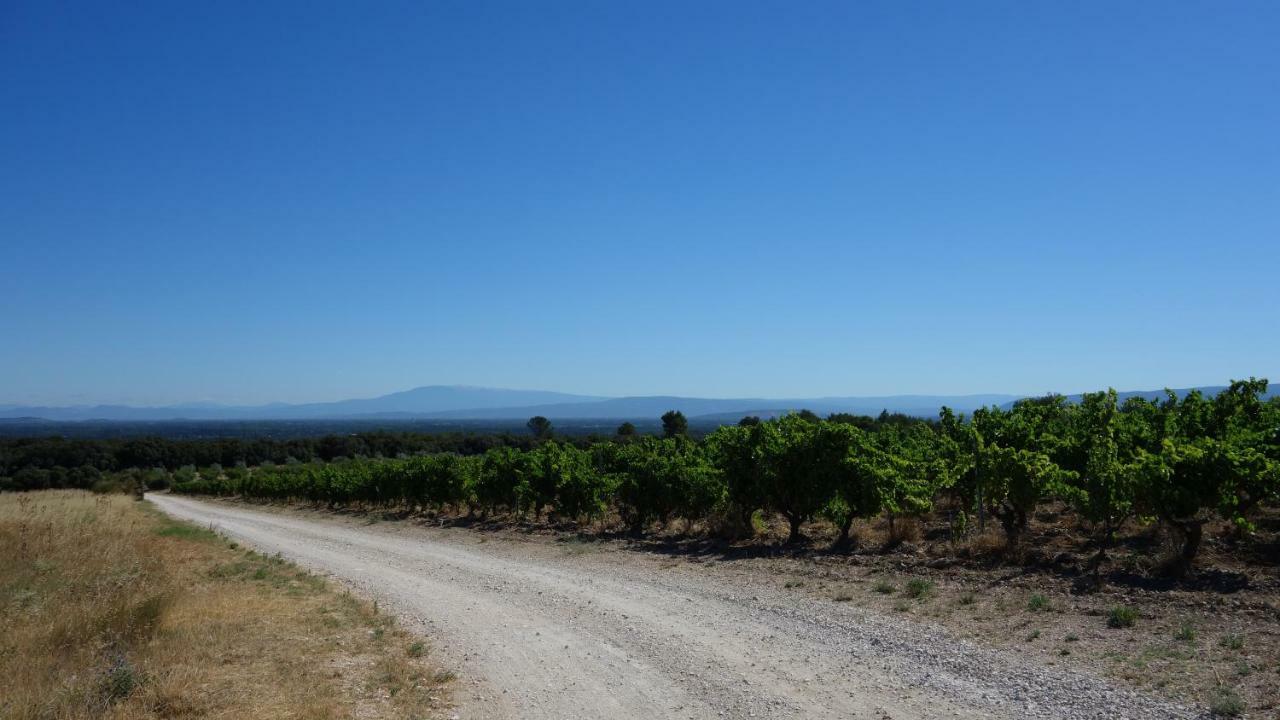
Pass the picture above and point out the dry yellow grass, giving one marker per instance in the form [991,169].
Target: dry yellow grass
[108,610]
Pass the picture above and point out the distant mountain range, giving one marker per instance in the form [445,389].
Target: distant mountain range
[453,402]
[419,402]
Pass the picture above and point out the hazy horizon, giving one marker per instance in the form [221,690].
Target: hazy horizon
[586,397]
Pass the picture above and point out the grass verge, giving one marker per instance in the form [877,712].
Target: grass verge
[110,610]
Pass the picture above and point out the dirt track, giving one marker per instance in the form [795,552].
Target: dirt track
[555,630]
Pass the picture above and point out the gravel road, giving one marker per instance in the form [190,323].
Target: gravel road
[575,630]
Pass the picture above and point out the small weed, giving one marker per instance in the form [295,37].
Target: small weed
[901,606]
[843,597]
[1121,616]
[1033,635]
[793,584]
[1186,632]
[967,599]
[417,650]
[1064,652]
[918,588]
[186,532]
[1232,641]
[119,681]
[1037,602]
[1071,637]
[884,587]
[1226,702]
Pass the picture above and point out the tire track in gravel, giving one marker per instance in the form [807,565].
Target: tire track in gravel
[535,632]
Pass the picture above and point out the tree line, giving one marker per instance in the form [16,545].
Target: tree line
[1180,461]
[36,463]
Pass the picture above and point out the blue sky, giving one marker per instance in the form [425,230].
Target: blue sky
[249,202]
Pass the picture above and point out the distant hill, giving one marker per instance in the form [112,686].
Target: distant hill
[418,402]
[454,402]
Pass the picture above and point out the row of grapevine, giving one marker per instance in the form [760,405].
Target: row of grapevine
[1180,460]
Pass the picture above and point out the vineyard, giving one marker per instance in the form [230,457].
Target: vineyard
[1180,462]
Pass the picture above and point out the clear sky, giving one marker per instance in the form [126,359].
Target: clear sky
[248,202]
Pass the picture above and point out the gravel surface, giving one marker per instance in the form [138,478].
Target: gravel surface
[579,630]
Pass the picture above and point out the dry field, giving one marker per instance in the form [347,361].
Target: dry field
[110,610]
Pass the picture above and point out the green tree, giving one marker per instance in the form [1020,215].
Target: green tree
[674,424]
[539,426]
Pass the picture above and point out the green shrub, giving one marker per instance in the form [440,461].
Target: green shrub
[1121,616]
[918,588]
[119,681]
[1231,641]
[1037,602]
[1226,702]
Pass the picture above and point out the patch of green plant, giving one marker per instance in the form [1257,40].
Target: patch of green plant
[1121,616]
[884,587]
[918,588]
[1037,602]
[226,570]
[119,681]
[187,531]
[1186,632]
[1232,641]
[417,650]
[967,599]
[1226,702]
[1034,634]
